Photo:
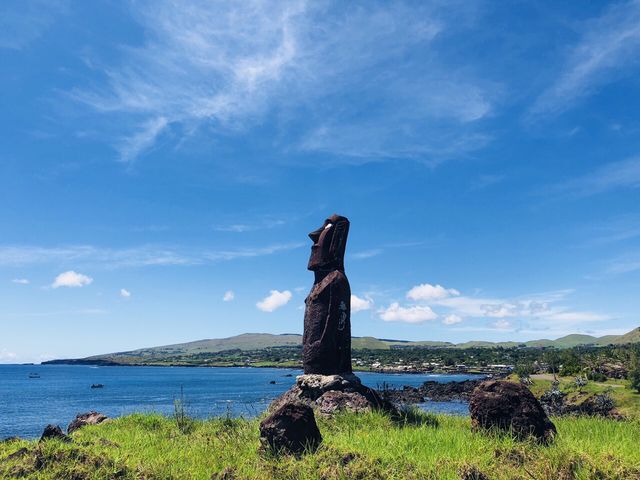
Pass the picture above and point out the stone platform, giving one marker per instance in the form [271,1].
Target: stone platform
[329,394]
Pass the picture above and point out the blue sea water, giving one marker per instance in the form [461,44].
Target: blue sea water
[62,391]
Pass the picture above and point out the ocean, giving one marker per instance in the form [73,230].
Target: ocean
[61,391]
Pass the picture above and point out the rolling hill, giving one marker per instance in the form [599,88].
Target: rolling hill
[258,341]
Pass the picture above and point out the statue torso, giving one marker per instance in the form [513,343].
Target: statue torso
[327,326]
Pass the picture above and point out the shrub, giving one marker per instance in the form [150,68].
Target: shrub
[634,374]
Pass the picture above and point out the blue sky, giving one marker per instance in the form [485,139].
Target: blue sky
[161,164]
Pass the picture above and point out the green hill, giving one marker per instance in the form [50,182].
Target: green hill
[259,341]
[632,337]
[574,340]
[369,343]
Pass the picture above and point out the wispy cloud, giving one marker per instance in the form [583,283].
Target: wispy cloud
[263,224]
[627,263]
[55,313]
[609,45]
[611,176]
[374,252]
[617,229]
[140,141]
[21,281]
[227,65]
[147,255]
[363,254]
[23,22]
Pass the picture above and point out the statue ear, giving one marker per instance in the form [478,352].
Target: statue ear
[337,247]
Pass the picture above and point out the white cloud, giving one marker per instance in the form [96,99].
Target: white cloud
[224,66]
[71,279]
[608,46]
[274,300]
[411,314]
[452,319]
[21,281]
[502,324]
[542,310]
[125,293]
[429,292]
[358,304]
[228,296]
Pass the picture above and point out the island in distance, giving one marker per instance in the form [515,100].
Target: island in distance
[265,349]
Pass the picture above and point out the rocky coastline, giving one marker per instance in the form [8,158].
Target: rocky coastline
[431,390]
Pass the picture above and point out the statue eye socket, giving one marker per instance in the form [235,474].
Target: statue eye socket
[328,225]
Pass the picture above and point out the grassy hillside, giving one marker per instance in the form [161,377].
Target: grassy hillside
[259,341]
[369,343]
[367,446]
[632,337]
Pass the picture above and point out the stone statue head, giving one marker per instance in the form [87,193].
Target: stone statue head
[329,244]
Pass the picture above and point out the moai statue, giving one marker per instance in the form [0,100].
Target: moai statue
[326,342]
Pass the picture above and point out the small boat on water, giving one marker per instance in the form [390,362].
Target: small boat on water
[34,375]
[97,385]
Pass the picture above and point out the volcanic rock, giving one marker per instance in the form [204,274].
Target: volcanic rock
[333,393]
[52,432]
[510,407]
[89,418]
[291,429]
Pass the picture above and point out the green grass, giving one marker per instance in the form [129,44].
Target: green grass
[366,446]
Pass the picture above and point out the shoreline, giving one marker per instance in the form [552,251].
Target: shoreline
[288,367]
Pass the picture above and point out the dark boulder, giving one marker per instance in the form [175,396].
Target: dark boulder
[446,392]
[89,418]
[17,454]
[510,407]
[53,432]
[291,428]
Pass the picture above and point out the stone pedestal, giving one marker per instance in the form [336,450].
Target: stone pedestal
[329,394]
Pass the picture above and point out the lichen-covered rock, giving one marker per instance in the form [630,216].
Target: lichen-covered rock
[291,428]
[89,418]
[338,392]
[510,407]
[52,432]
[335,401]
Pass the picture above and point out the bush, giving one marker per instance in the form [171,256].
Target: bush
[596,377]
[634,375]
